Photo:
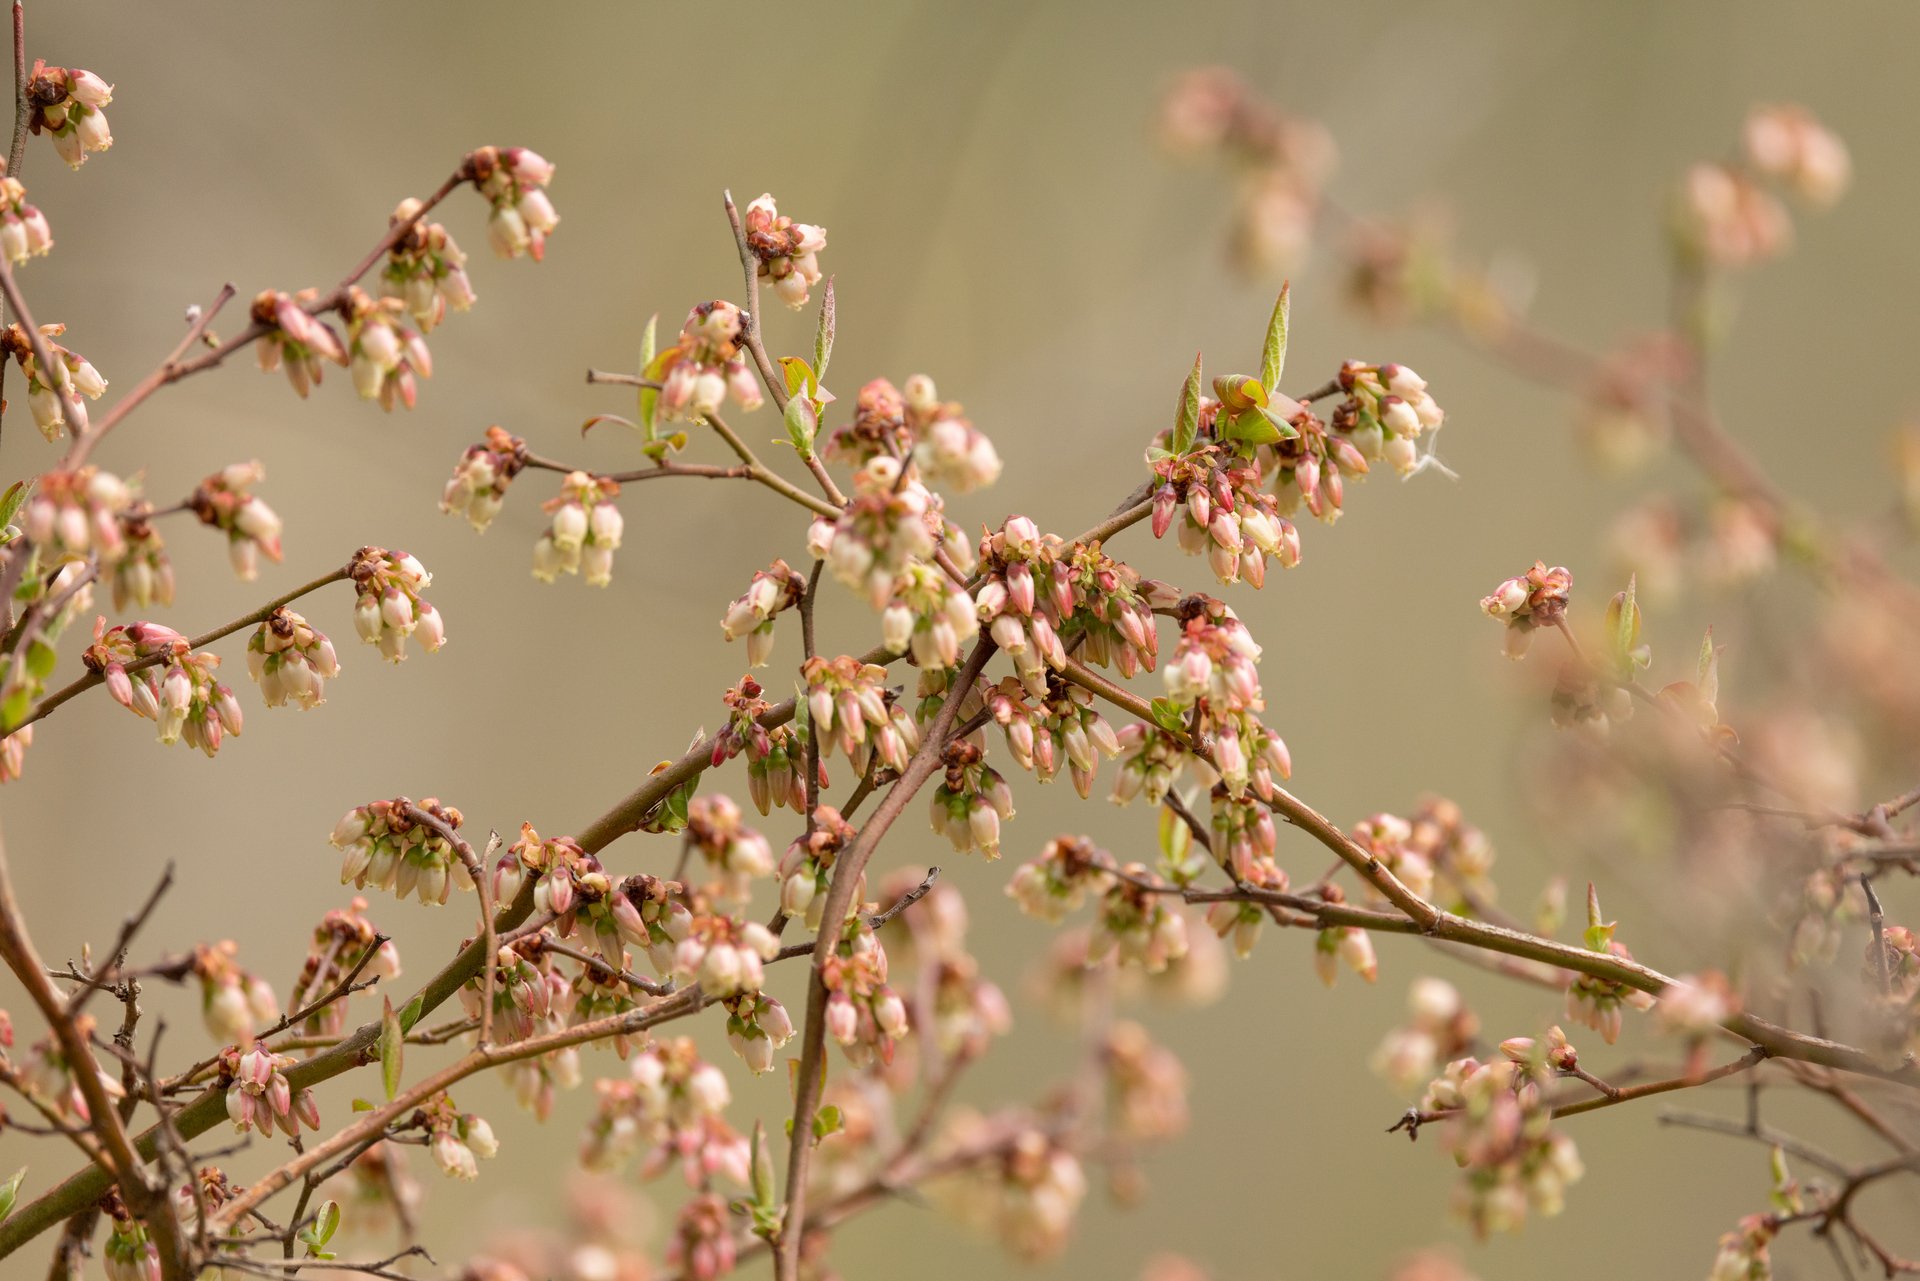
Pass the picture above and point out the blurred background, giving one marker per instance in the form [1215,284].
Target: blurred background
[999,217]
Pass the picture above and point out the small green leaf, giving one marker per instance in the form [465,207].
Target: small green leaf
[1599,933]
[800,425]
[11,501]
[826,1121]
[1256,426]
[649,396]
[413,1012]
[1168,717]
[799,376]
[361,1105]
[762,1167]
[823,336]
[16,705]
[1708,678]
[1623,628]
[326,1223]
[1187,426]
[41,659]
[10,1190]
[1273,357]
[393,1048]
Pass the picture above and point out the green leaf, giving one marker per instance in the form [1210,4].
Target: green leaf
[1708,678]
[649,396]
[826,1121]
[762,1167]
[413,1012]
[10,1190]
[800,425]
[1623,628]
[1256,427]
[393,1048]
[15,497]
[1168,717]
[1599,933]
[326,1223]
[1187,426]
[14,709]
[41,659]
[1273,357]
[799,376]
[823,336]
[361,1105]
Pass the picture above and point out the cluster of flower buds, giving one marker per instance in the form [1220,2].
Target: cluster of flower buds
[670,1104]
[645,911]
[1596,1002]
[1439,1027]
[583,531]
[1746,1254]
[864,1015]
[68,107]
[1535,599]
[736,855]
[340,948]
[1286,160]
[559,867]
[851,708]
[757,1025]
[232,1001]
[478,489]
[295,338]
[24,232]
[390,608]
[1458,855]
[805,866]
[945,447]
[1389,839]
[259,1097]
[389,849]
[1062,728]
[971,801]
[1243,839]
[1225,513]
[1146,1084]
[1542,1057]
[725,955]
[1348,943]
[751,615]
[291,661]
[787,251]
[891,523]
[514,181]
[13,753]
[1108,605]
[387,356]
[457,1140]
[1138,922]
[703,1247]
[129,1254]
[1785,143]
[776,757]
[57,400]
[928,614]
[143,573]
[180,693]
[425,269]
[72,514]
[225,501]
[1154,759]
[1212,679]
[47,1073]
[1499,1132]
[1386,412]
[1059,880]
[527,995]
[707,365]
[1026,1199]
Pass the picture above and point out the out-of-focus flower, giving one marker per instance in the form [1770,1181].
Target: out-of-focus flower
[771,590]
[514,181]
[425,269]
[295,338]
[787,251]
[233,1003]
[68,107]
[63,394]
[1527,602]
[1787,144]
[390,608]
[583,531]
[225,501]
[478,488]
[1723,215]
[24,232]
[736,854]
[707,365]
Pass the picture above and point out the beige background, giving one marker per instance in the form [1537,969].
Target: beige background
[1000,219]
